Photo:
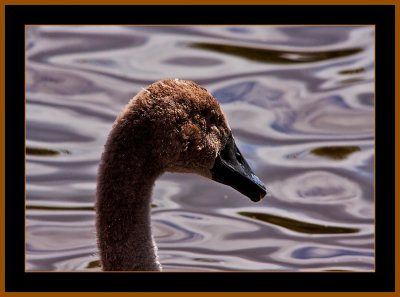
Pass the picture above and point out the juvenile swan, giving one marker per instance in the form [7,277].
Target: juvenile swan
[175,126]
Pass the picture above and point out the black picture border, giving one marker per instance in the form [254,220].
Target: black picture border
[383,279]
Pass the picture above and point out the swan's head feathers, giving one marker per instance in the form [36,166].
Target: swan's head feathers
[186,122]
[181,127]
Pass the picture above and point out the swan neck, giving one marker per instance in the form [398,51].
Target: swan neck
[123,216]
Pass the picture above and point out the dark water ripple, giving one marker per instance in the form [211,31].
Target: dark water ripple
[300,102]
[275,56]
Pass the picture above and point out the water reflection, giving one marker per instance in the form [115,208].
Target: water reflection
[44,151]
[320,252]
[275,56]
[298,226]
[335,152]
[300,102]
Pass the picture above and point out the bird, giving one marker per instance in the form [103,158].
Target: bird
[173,125]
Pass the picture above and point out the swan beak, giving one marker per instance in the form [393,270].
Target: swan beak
[230,168]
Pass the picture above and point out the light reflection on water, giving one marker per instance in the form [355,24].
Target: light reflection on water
[300,102]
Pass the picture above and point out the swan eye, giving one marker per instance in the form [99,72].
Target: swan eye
[210,116]
[213,119]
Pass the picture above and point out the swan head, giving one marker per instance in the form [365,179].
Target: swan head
[190,134]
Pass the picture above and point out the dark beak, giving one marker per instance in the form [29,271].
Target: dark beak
[230,168]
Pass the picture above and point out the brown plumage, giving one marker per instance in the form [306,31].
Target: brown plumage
[172,125]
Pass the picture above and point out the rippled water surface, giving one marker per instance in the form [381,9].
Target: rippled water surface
[300,102]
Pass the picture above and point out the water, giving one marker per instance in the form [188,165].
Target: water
[300,102]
